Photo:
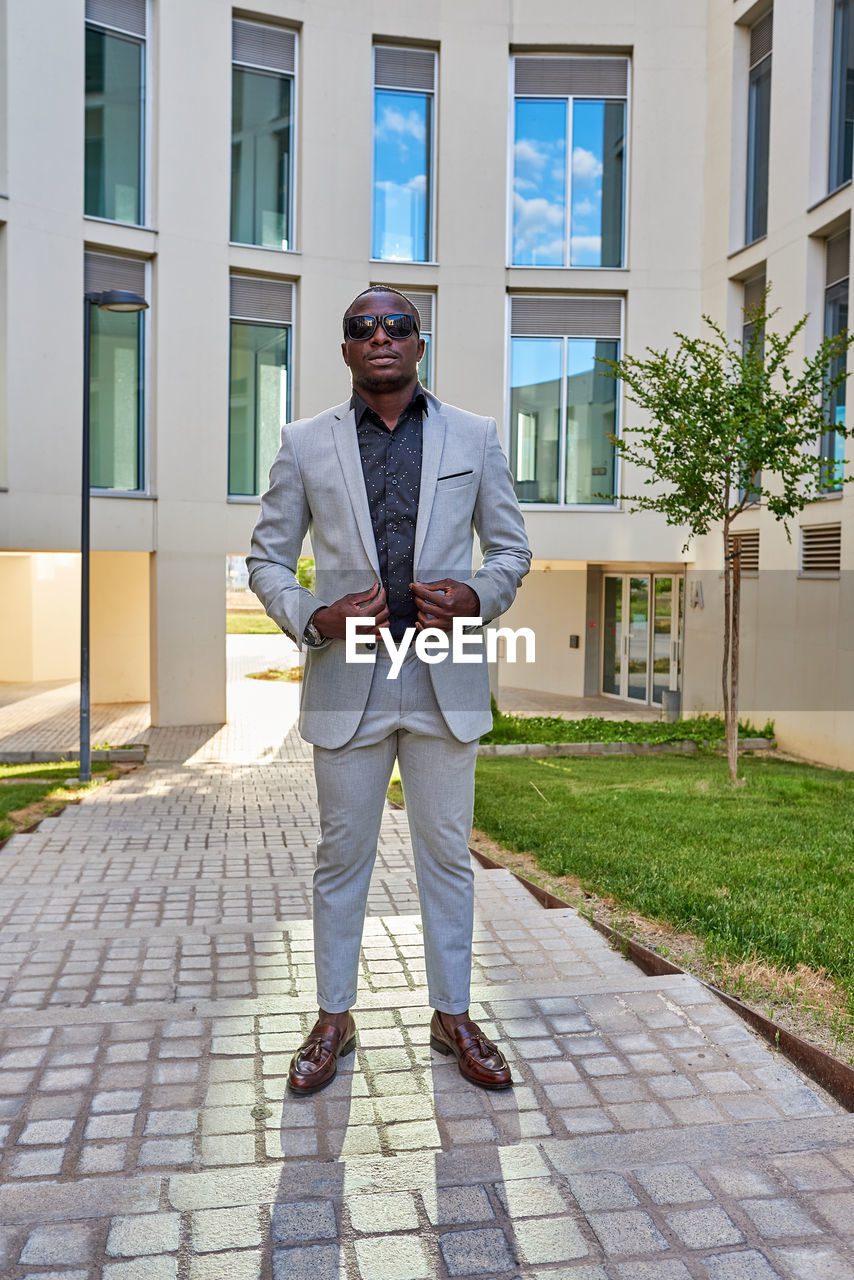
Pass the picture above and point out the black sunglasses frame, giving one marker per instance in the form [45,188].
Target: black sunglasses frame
[397,315]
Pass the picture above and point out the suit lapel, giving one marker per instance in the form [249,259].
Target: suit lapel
[432,442]
[347,447]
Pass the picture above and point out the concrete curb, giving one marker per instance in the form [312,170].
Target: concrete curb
[128,755]
[614,748]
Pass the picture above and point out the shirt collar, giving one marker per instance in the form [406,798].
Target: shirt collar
[360,407]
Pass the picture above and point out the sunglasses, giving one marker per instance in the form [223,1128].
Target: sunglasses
[358,328]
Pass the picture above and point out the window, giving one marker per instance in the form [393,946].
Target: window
[569,138]
[404,108]
[758,129]
[837,255]
[261,319]
[426,304]
[563,404]
[262,135]
[116,377]
[754,290]
[841,96]
[115,110]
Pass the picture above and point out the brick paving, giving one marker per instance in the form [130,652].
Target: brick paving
[155,969]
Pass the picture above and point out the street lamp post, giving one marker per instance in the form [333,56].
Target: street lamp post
[109,300]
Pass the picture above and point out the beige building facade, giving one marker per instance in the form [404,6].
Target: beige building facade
[556,183]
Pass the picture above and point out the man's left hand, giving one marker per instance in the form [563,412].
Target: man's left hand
[440,602]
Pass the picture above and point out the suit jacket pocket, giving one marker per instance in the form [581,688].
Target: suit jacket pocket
[454,481]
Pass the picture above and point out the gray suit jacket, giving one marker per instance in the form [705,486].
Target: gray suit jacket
[317,484]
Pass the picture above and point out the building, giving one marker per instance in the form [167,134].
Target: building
[555,183]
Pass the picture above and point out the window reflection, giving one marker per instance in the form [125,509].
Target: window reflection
[597,184]
[591,412]
[116,388]
[113,146]
[535,377]
[539,183]
[842,96]
[258,406]
[402,196]
[833,442]
[261,158]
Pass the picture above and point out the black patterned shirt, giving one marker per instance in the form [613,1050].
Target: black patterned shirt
[391,466]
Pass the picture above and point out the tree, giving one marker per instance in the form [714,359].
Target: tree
[729,424]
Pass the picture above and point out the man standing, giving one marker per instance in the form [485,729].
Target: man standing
[389,486]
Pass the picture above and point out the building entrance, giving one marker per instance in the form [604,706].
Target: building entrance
[642,634]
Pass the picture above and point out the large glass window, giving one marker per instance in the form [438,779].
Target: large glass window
[569,133]
[404,90]
[262,135]
[758,130]
[114,126]
[260,365]
[116,377]
[563,403]
[754,290]
[841,96]
[835,322]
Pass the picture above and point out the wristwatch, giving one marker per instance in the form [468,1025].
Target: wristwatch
[311,636]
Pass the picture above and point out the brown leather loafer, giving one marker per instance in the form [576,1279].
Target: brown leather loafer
[315,1062]
[478,1059]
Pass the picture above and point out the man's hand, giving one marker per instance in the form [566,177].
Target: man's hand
[331,621]
[440,602]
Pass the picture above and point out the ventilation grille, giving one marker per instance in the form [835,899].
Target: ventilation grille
[749,557]
[838,258]
[760,38]
[565,317]
[256,299]
[753,291]
[396,68]
[597,77]
[254,44]
[821,548]
[102,271]
[123,15]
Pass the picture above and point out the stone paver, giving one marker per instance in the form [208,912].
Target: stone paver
[155,969]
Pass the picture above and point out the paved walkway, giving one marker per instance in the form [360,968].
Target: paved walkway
[155,949]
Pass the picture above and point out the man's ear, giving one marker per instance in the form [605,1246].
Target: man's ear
[344,354]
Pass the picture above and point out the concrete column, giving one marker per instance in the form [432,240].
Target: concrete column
[188,668]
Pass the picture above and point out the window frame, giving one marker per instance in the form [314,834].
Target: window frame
[290,325]
[831,287]
[570,100]
[146,118]
[836,115]
[293,167]
[432,259]
[144,446]
[754,69]
[602,508]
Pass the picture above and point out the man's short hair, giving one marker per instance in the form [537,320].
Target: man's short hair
[386,288]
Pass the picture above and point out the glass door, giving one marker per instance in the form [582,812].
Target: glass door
[641,632]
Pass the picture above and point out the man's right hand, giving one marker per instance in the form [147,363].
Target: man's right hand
[331,621]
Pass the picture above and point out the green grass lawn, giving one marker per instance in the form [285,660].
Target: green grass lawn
[765,870]
[40,786]
[249,623]
[508,728]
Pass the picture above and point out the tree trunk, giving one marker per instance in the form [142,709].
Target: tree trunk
[732,734]
[727,631]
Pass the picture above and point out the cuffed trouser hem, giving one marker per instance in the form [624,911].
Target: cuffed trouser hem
[335,1006]
[448,1006]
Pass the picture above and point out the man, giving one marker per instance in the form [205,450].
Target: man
[389,486]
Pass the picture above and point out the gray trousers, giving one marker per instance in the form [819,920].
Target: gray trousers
[402,719]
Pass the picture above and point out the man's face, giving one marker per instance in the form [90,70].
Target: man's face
[381,363]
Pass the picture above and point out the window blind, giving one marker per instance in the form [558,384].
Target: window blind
[753,291]
[399,68]
[103,271]
[257,44]
[123,15]
[593,77]
[837,258]
[565,317]
[760,38]
[253,298]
